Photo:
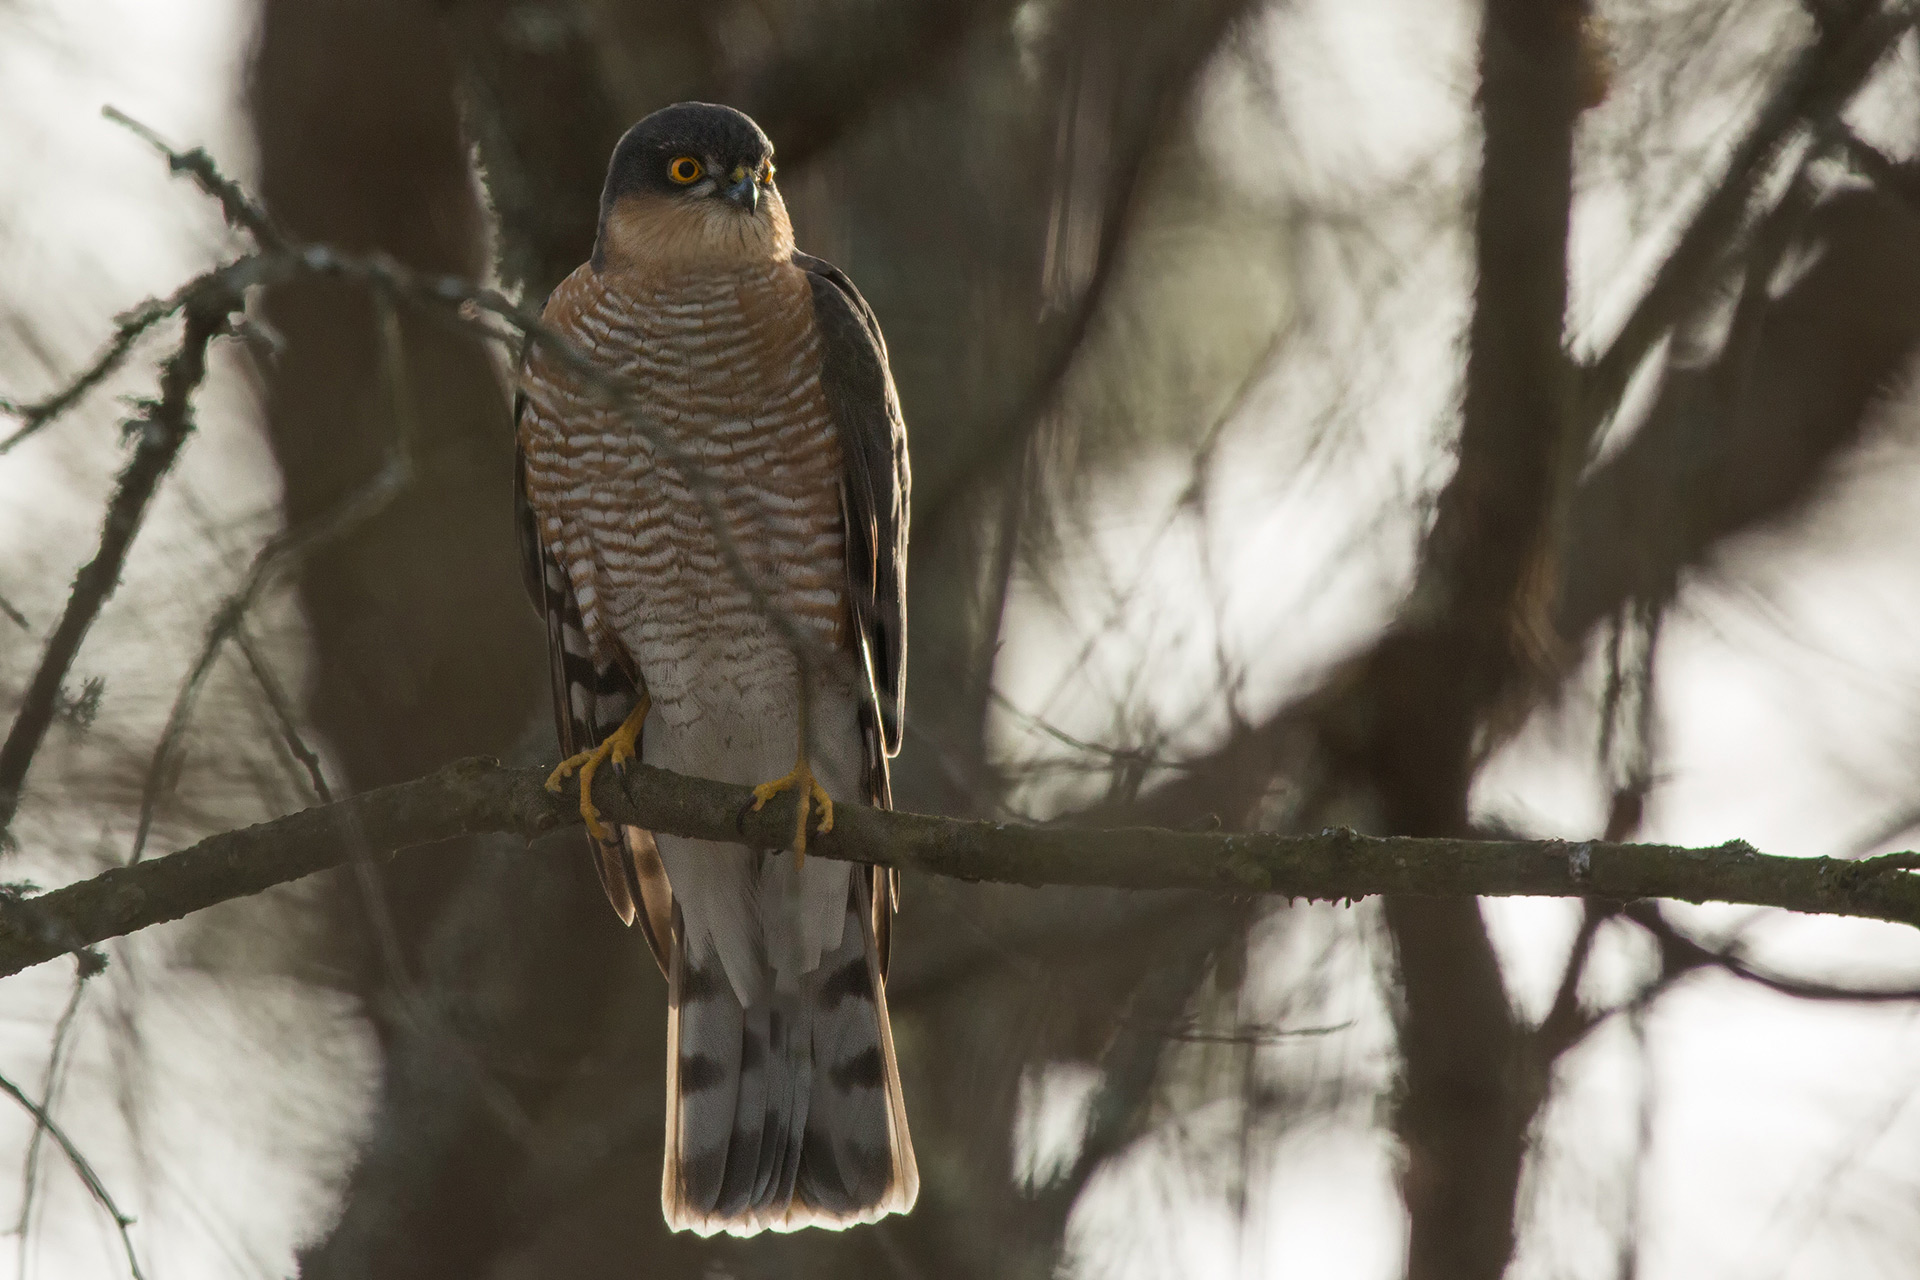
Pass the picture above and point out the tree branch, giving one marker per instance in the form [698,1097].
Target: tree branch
[1681,954]
[473,797]
[1813,91]
[95,1187]
[129,326]
[236,206]
[162,430]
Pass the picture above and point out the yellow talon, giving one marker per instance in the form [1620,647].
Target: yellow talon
[799,778]
[617,749]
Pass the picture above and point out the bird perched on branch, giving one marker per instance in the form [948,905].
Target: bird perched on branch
[713,509]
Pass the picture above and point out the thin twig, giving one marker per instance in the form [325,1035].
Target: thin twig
[128,328]
[1566,1022]
[283,714]
[91,1179]
[86,965]
[240,209]
[1256,1034]
[1131,755]
[1680,954]
[162,430]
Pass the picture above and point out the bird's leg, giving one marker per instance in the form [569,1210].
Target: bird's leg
[617,750]
[800,778]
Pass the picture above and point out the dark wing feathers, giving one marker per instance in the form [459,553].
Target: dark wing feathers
[876,485]
[589,702]
[875,489]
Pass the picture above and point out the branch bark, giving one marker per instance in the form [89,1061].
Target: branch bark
[479,796]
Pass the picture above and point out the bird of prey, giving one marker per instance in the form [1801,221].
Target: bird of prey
[713,511]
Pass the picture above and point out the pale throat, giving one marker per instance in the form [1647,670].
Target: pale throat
[654,236]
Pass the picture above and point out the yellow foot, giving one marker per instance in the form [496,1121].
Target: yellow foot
[619,748]
[800,779]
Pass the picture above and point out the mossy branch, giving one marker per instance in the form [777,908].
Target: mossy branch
[475,797]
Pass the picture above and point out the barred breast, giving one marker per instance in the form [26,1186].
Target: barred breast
[725,370]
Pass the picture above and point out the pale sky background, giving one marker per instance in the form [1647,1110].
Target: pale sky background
[1782,1145]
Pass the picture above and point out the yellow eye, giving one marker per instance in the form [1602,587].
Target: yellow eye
[684,169]
[766,174]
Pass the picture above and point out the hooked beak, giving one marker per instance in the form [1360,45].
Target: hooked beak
[744,194]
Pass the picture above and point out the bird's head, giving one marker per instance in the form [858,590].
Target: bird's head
[691,187]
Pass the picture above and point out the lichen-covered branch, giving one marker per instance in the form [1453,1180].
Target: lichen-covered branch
[239,208]
[162,430]
[480,796]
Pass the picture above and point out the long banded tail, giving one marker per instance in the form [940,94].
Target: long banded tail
[786,1113]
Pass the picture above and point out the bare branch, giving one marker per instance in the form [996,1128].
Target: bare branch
[162,430]
[1566,1021]
[1813,91]
[129,326]
[1680,954]
[86,965]
[473,797]
[94,1186]
[239,208]
[284,716]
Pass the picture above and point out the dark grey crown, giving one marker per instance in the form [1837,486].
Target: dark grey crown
[719,137]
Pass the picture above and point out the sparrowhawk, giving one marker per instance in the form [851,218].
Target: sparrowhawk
[711,509]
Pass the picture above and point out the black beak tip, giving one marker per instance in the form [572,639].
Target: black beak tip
[745,195]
